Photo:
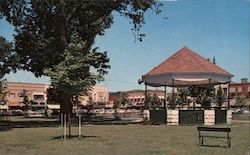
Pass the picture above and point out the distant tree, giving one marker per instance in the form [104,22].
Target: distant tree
[183,94]
[220,96]
[202,95]
[26,101]
[154,101]
[173,100]
[3,91]
[121,99]
[240,101]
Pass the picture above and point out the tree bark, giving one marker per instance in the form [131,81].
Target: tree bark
[63,25]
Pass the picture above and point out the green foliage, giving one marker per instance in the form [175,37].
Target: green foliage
[121,99]
[26,101]
[220,96]
[53,95]
[173,100]
[183,96]
[3,91]
[5,57]
[80,69]
[241,101]
[202,95]
[44,28]
[55,38]
[154,101]
[24,94]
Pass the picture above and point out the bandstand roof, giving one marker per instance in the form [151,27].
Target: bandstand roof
[186,68]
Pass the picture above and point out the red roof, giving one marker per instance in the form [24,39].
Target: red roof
[185,60]
[14,104]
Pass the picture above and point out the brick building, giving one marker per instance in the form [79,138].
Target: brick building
[137,97]
[240,89]
[35,92]
[38,94]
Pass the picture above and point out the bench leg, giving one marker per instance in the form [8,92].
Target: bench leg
[228,142]
[199,138]
[199,141]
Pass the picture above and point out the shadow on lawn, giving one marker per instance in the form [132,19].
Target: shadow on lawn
[74,137]
[40,122]
[5,128]
[8,125]
[214,146]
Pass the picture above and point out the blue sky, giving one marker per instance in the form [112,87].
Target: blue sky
[212,28]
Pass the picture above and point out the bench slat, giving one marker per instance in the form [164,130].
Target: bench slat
[213,129]
[214,136]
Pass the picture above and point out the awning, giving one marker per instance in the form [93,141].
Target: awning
[53,106]
[3,107]
[185,79]
[14,104]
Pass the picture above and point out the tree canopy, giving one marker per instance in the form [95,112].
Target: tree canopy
[73,74]
[56,37]
[6,61]
[44,28]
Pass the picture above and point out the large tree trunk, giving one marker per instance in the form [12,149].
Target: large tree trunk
[66,108]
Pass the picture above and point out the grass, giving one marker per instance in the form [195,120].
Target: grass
[133,139]
[242,117]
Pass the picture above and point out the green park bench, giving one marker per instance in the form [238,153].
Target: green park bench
[204,130]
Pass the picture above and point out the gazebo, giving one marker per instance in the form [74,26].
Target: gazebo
[184,69]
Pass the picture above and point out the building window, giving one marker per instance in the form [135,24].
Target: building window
[34,103]
[94,98]
[225,91]
[12,95]
[38,97]
[239,89]
[232,90]
[232,95]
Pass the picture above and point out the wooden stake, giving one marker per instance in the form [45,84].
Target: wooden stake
[80,126]
[62,125]
[65,127]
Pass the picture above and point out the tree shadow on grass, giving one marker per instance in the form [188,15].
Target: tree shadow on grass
[40,122]
[8,125]
[73,137]
[220,146]
[5,128]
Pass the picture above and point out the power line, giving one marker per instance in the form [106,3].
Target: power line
[121,81]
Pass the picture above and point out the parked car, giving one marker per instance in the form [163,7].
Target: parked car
[37,113]
[17,112]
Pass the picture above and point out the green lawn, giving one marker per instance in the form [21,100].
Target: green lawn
[118,140]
